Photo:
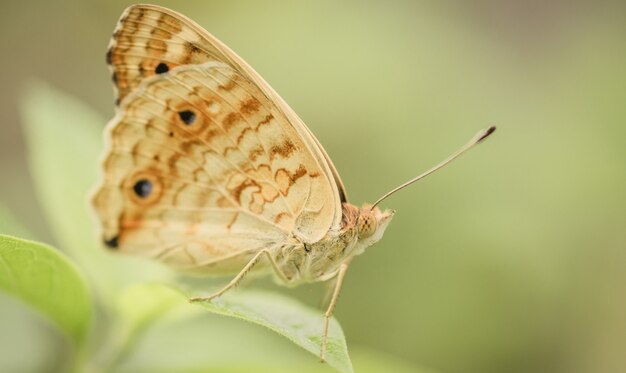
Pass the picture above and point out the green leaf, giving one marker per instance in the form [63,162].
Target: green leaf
[287,317]
[43,278]
[63,138]
[139,305]
[137,308]
[223,344]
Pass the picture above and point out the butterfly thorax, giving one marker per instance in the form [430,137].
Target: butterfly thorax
[319,261]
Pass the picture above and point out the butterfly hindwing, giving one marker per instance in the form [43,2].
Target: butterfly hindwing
[202,166]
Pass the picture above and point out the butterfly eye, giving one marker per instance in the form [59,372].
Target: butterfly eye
[161,68]
[366,225]
[143,188]
[187,116]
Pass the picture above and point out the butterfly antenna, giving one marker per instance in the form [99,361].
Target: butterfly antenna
[480,136]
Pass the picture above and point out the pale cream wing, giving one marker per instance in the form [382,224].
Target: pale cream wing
[202,167]
[151,40]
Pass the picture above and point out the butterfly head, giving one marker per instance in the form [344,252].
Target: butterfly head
[371,223]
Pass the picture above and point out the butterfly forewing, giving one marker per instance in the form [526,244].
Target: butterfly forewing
[150,40]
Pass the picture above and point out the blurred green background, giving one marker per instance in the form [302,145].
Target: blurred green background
[511,260]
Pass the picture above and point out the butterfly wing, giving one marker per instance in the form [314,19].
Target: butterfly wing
[203,168]
[150,40]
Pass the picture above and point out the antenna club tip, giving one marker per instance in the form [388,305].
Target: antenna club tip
[486,134]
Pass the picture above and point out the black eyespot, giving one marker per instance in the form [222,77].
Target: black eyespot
[112,243]
[187,116]
[114,78]
[161,68]
[143,188]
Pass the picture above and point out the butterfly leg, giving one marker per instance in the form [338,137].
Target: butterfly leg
[340,275]
[241,274]
[328,291]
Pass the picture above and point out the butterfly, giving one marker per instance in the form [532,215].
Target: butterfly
[208,170]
